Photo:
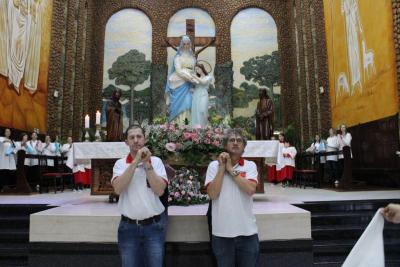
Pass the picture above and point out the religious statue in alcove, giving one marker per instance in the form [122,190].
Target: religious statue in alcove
[114,118]
[182,78]
[264,116]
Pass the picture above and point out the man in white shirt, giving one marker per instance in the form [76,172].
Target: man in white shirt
[231,181]
[140,179]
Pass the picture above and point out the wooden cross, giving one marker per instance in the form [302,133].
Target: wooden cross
[204,42]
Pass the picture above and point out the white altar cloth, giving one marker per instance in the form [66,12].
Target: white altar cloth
[113,150]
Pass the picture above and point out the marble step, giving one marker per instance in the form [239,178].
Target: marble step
[21,209]
[14,235]
[15,221]
[348,218]
[347,205]
[392,246]
[334,232]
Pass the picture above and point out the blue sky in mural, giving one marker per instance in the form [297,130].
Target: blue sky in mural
[127,29]
[262,38]
[204,27]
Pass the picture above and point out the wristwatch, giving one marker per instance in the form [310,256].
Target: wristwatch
[149,168]
[235,173]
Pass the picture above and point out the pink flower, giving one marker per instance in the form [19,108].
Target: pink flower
[217,130]
[183,192]
[169,199]
[171,127]
[189,182]
[207,141]
[177,194]
[163,126]
[170,146]
[191,194]
[187,136]
[191,177]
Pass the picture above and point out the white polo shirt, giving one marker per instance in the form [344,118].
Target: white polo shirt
[138,201]
[232,211]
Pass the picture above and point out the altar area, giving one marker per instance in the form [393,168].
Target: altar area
[103,155]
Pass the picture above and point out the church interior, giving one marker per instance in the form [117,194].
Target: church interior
[314,86]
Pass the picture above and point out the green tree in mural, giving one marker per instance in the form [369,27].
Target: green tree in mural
[130,69]
[251,90]
[263,70]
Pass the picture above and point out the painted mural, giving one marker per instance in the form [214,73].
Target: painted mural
[25,28]
[127,63]
[362,74]
[255,62]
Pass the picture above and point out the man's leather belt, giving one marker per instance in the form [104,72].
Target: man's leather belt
[147,221]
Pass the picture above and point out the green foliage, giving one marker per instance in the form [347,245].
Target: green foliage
[239,98]
[263,70]
[130,69]
[247,124]
[290,135]
[160,120]
[251,90]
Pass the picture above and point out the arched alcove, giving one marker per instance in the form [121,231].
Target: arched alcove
[127,61]
[255,62]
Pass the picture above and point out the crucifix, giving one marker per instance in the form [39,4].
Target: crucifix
[204,42]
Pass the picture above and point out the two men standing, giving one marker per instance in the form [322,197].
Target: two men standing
[140,179]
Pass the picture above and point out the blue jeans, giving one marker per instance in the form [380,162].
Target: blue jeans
[241,251]
[142,245]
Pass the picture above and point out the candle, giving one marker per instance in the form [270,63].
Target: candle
[87,121]
[98,114]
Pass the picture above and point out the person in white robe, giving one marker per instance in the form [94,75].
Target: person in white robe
[280,163]
[19,27]
[318,146]
[49,149]
[7,160]
[80,171]
[289,154]
[332,145]
[344,140]
[200,97]
[31,74]
[7,146]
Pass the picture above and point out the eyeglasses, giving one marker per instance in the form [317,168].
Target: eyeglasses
[237,140]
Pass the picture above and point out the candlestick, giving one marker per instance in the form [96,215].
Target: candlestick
[98,114]
[97,135]
[87,135]
[87,120]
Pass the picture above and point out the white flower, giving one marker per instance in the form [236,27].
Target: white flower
[170,147]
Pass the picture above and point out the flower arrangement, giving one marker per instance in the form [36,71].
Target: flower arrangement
[193,146]
[184,189]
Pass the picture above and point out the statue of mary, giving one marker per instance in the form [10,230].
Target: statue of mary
[180,83]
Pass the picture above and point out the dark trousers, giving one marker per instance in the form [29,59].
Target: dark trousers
[332,170]
[240,251]
[340,168]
